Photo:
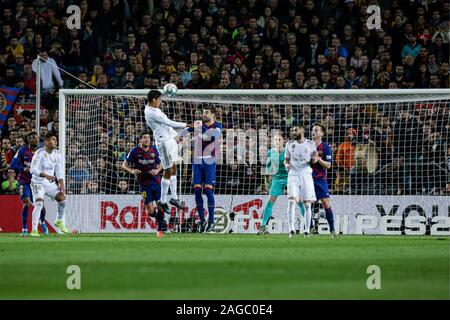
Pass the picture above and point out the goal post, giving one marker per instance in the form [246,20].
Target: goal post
[390,156]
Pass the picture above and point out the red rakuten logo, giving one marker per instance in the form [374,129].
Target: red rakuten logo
[129,218]
[250,209]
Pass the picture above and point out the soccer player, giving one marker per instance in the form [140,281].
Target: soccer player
[206,133]
[146,167]
[299,154]
[21,163]
[275,166]
[46,163]
[322,164]
[165,139]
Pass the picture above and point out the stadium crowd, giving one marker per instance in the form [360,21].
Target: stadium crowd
[239,44]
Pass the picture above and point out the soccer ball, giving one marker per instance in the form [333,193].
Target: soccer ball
[170,90]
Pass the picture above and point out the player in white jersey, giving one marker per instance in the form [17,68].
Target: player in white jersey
[299,153]
[166,143]
[46,170]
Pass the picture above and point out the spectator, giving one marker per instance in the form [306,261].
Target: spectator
[6,158]
[49,69]
[15,48]
[345,159]
[122,187]
[9,186]
[412,48]
[79,174]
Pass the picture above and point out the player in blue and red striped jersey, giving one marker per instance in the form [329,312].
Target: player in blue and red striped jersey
[206,135]
[324,159]
[146,166]
[21,164]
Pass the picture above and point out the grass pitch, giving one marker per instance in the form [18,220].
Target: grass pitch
[205,266]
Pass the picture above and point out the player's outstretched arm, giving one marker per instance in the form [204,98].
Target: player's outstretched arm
[170,123]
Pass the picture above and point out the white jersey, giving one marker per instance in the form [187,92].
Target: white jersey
[48,163]
[161,125]
[299,155]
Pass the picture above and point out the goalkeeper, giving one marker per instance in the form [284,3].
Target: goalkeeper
[275,167]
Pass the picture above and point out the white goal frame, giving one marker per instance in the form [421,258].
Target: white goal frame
[296,98]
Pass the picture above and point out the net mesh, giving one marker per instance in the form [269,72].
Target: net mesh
[383,144]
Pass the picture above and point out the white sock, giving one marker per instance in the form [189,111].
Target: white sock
[36,214]
[307,216]
[61,207]
[173,187]
[165,183]
[291,215]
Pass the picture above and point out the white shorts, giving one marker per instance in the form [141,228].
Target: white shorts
[48,188]
[168,152]
[302,187]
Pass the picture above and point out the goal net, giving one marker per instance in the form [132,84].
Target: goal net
[391,156]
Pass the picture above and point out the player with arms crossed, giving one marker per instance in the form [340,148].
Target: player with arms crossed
[299,153]
[146,167]
[46,163]
[21,164]
[275,167]
[322,164]
[164,135]
[206,134]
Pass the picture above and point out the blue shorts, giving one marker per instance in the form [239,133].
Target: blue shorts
[321,188]
[25,191]
[150,193]
[204,173]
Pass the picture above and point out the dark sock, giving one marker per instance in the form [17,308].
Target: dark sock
[42,216]
[25,210]
[199,203]
[159,218]
[211,205]
[330,218]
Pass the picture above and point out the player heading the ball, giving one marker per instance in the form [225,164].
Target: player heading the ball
[167,146]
